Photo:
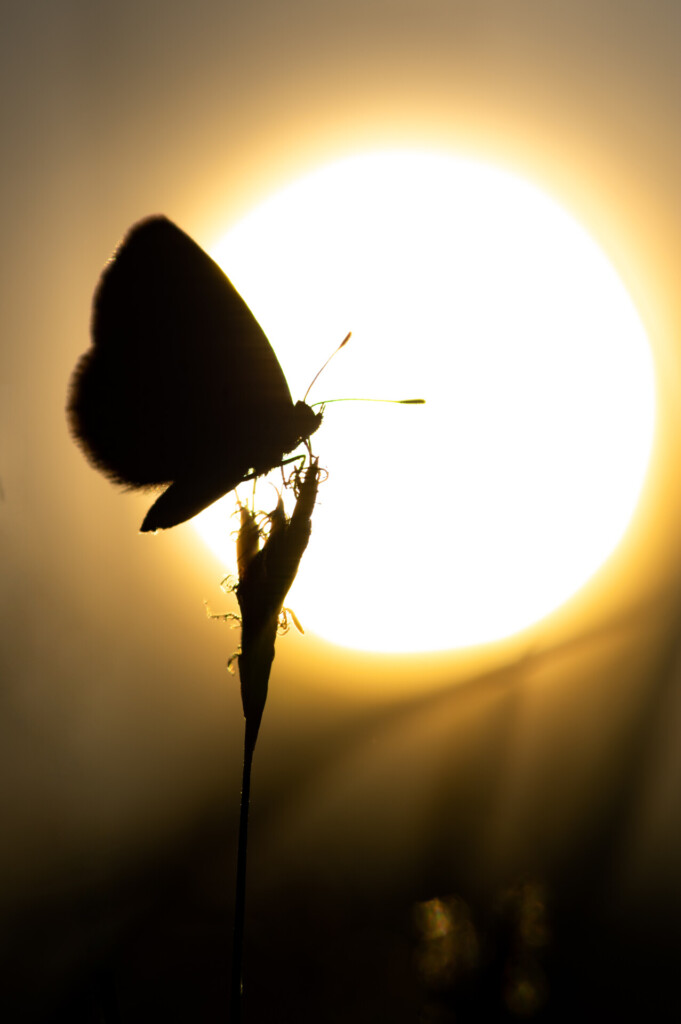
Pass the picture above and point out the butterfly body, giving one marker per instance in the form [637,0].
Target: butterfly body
[181,385]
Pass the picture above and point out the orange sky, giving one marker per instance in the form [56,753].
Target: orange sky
[117,718]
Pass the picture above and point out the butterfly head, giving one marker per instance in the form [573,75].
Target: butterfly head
[306,421]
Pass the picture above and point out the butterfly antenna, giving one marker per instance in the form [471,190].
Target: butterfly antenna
[345,340]
[391,401]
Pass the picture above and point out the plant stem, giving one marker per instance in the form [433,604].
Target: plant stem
[265,576]
[236,995]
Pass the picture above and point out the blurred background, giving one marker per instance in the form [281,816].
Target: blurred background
[492,834]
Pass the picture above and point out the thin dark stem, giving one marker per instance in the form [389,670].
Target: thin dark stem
[236,994]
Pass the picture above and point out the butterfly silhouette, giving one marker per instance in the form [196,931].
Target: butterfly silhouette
[180,385]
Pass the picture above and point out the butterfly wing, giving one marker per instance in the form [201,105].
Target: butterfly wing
[180,384]
[179,368]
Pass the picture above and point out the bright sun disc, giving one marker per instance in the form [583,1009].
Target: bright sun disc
[468,519]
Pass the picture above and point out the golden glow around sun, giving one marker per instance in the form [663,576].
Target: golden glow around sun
[468,519]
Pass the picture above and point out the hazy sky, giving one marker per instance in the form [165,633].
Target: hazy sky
[117,714]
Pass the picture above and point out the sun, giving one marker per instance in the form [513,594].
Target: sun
[470,518]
